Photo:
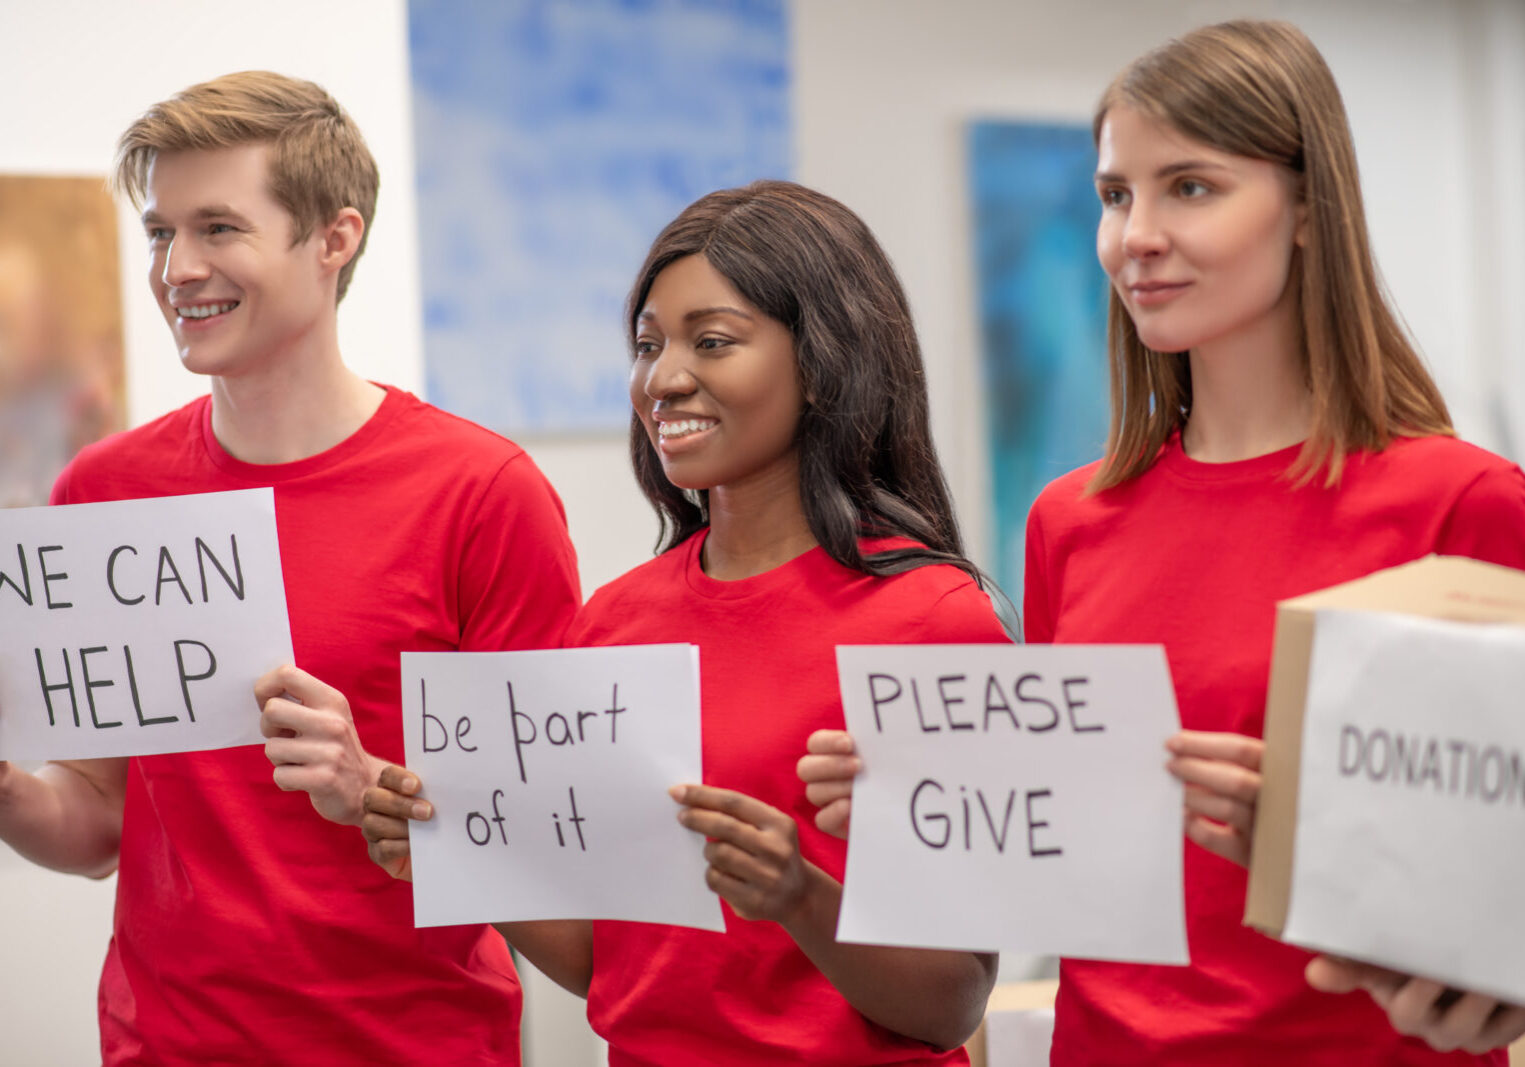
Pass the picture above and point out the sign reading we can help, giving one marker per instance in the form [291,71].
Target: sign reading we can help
[137,627]
[1014,797]
[548,772]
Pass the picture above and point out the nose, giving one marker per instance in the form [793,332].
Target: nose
[669,374]
[183,263]
[1142,235]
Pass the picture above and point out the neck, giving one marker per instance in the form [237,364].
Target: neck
[290,409]
[1248,394]
[757,526]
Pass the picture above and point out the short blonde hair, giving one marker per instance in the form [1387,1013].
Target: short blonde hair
[319,162]
[1262,90]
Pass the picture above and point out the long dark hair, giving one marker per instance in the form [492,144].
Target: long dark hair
[867,464]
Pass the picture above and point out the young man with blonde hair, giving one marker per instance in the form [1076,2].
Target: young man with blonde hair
[249,930]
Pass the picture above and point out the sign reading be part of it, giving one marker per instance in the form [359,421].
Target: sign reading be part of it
[137,627]
[548,772]
[1014,797]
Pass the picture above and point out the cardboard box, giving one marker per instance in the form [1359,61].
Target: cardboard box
[1436,587]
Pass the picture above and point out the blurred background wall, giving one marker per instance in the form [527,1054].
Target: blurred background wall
[880,93]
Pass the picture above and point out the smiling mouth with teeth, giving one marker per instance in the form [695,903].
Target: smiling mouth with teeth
[684,427]
[205,311]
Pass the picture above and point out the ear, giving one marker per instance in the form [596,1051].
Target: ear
[340,240]
[1300,233]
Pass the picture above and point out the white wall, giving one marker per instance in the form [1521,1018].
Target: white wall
[1436,92]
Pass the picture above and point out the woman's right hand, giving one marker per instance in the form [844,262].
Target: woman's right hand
[388,806]
[828,773]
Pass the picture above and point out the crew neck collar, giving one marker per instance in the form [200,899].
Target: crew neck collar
[269,473]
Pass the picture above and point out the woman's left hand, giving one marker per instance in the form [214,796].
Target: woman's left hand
[753,851]
[1222,776]
[1445,1019]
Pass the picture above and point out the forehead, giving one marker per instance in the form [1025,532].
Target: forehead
[688,283]
[1131,138]
[189,180]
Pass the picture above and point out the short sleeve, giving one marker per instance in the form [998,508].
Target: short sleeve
[1487,522]
[518,575]
[964,616]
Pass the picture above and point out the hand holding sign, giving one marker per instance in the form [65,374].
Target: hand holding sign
[313,743]
[828,771]
[1221,772]
[753,851]
[389,805]
[1444,1018]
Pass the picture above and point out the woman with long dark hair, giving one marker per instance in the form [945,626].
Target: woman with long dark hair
[780,429]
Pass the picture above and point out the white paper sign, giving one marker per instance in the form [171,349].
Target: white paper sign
[1411,800]
[549,772]
[1014,797]
[137,627]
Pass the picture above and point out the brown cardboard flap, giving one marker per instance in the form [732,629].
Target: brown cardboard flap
[1444,587]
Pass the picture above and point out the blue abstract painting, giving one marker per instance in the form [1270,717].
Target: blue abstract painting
[1043,316]
[554,139]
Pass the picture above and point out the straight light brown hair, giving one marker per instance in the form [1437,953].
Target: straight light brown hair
[868,467]
[1262,90]
[319,163]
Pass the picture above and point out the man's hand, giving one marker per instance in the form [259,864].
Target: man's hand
[313,743]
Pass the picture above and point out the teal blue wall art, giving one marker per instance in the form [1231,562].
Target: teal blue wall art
[1042,308]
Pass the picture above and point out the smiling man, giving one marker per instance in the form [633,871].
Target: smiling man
[249,930]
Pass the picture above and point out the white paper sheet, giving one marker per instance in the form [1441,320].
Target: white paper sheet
[1014,797]
[1411,800]
[549,773]
[138,626]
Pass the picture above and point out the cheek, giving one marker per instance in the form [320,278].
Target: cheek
[1109,245]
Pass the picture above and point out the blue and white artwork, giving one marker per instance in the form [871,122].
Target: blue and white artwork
[555,139]
[1043,316]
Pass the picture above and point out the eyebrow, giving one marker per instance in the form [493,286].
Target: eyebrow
[211,211]
[704,313]
[1166,171]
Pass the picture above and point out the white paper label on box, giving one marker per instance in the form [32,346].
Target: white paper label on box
[1014,797]
[1411,800]
[548,772]
[136,627]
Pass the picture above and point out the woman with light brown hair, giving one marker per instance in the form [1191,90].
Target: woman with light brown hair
[1273,432]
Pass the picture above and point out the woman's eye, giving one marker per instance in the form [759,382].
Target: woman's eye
[219,227]
[645,348]
[1190,188]
[1113,197]
[709,344]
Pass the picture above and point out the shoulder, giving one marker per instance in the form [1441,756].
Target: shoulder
[1445,459]
[114,466]
[421,425]
[631,595]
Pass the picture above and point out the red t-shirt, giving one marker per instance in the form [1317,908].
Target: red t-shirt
[248,929]
[666,996]
[1195,556]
